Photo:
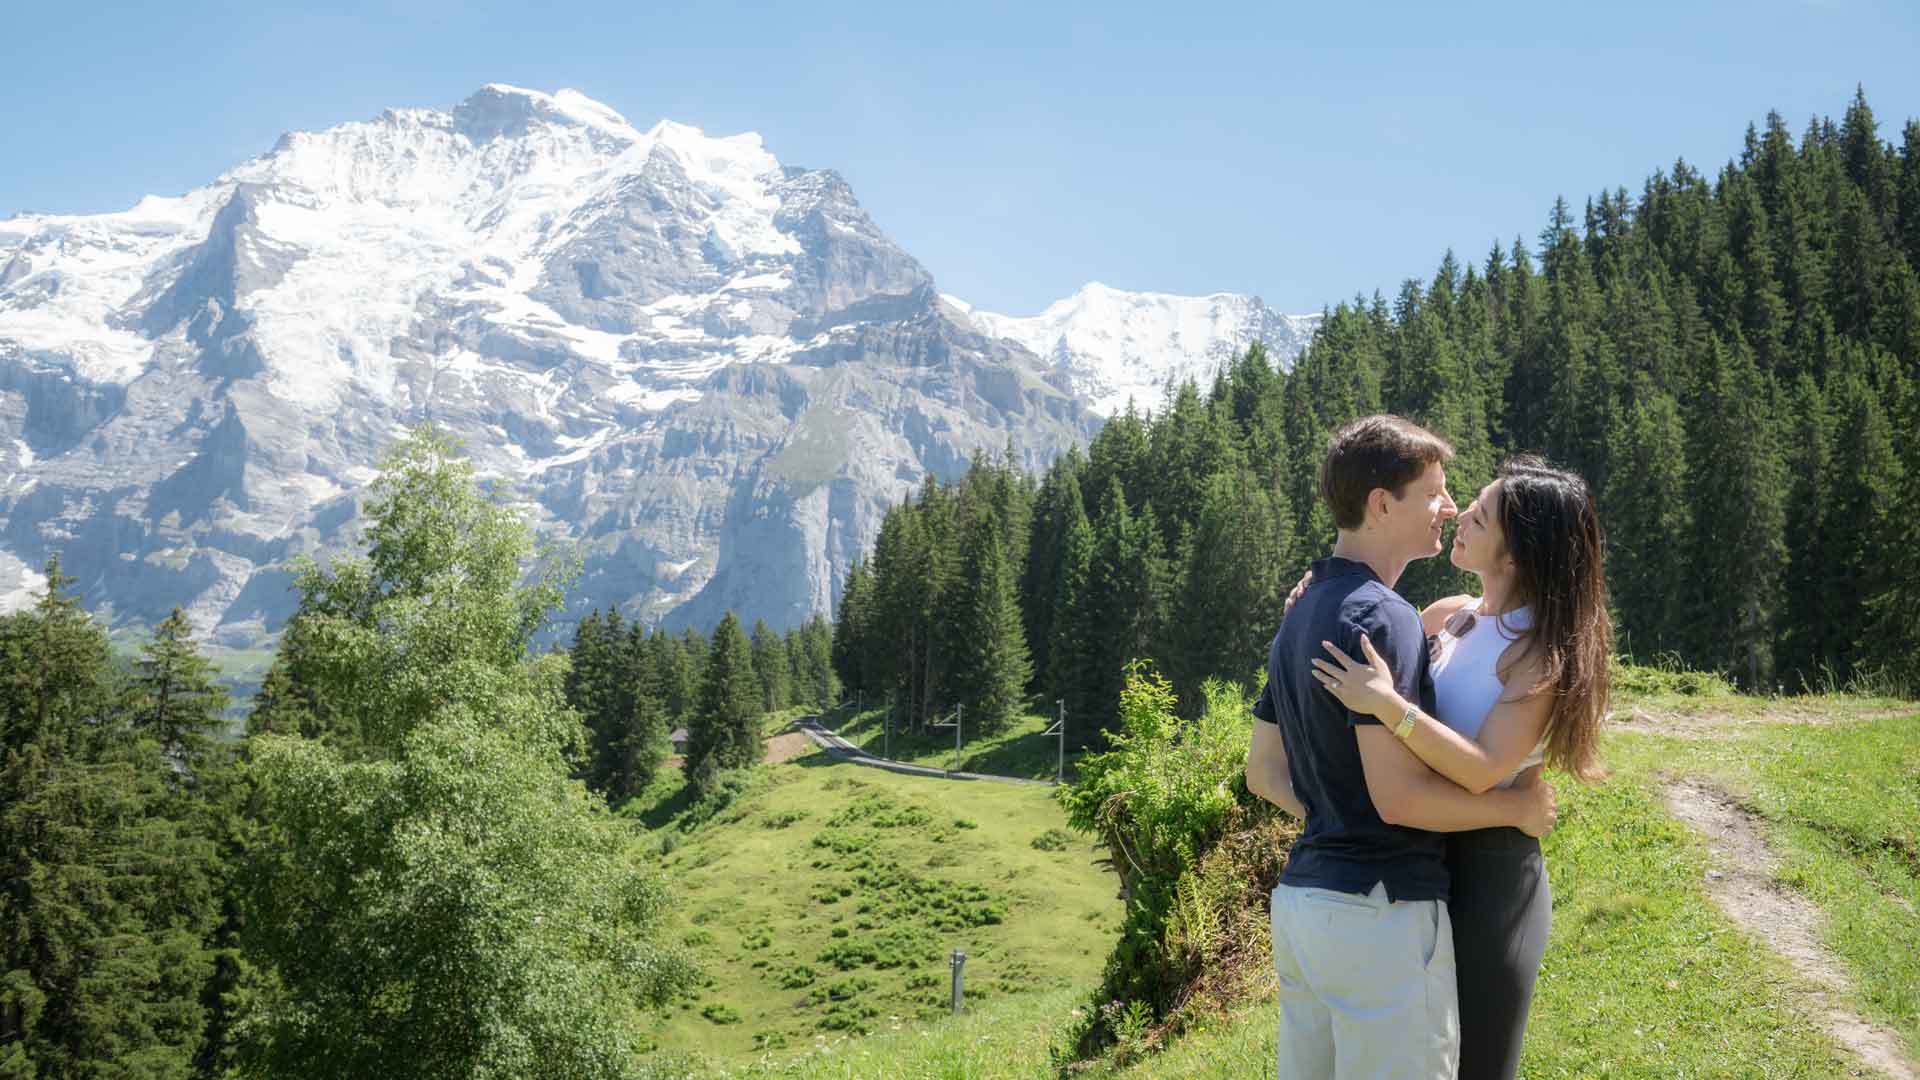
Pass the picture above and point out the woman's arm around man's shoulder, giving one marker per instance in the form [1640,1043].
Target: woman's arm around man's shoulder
[1438,612]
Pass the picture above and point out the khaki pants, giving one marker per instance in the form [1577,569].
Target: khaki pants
[1366,987]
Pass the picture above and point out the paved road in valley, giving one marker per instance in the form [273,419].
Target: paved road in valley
[841,750]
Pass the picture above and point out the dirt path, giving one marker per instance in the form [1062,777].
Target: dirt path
[1705,719]
[1741,883]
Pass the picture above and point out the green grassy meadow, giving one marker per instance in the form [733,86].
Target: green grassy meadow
[824,904]
[1644,977]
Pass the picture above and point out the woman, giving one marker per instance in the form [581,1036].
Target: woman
[1520,675]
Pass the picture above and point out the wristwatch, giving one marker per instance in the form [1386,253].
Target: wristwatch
[1405,727]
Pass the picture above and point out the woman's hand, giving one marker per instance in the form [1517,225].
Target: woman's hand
[1306,579]
[1366,688]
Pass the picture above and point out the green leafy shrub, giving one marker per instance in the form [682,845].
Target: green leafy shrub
[881,812]
[1052,840]
[848,988]
[726,787]
[849,1016]
[721,1013]
[842,841]
[796,977]
[849,953]
[1666,678]
[1195,853]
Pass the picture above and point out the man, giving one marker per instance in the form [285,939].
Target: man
[1362,942]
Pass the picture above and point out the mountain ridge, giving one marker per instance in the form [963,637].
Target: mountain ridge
[709,369]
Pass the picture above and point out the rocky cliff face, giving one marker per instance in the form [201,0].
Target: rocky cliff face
[710,371]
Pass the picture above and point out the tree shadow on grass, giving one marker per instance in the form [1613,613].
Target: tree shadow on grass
[1030,757]
[662,813]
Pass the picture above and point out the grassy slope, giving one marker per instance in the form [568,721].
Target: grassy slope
[825,902]
[1644,977]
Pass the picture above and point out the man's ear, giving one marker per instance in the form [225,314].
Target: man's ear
[1379,501]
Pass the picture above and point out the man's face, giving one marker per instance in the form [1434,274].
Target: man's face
[1415,519]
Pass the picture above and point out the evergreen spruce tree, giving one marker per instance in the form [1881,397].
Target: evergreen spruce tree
[1074,655]
[1647,513]
[1807,637]
[990,662]
[1739,500]
[641,744]
[679,679]
[1127,585]
[725,731]
[852,631]
[810,648]
[108,880]
[1057,507]
[283,706]
[1908,202]
[940,514]
[1011,492]
[1256,403]
[178,702]
[1863,489]
[1892,641]
[771,668]
[589,689]
[1233,580]
[695,646]
[1187,443]
[1764,316]
[1857,267]
[1866,159]
[901,591]
[1118,454]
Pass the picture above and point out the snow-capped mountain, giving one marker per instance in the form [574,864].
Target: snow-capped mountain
[711,371]
[1111,346]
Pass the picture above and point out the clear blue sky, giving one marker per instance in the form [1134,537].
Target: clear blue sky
[1298,152]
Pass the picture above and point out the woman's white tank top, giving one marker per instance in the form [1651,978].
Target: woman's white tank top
[1466,679]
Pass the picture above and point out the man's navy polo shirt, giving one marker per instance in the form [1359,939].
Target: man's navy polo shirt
[1346,847]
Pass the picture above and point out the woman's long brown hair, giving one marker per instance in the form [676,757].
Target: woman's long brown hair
[1552,530]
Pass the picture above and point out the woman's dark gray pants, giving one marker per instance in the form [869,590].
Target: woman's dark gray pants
[1502,908]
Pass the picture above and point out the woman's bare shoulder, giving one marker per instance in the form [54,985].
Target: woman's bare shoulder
[1437,613]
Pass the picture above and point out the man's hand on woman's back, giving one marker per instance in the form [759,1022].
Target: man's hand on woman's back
[1540,808]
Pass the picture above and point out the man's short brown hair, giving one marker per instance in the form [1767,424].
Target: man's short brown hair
[1382,451]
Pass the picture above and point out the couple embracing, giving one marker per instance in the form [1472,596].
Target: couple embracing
[1410,920]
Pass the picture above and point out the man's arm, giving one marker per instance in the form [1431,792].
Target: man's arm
[1435,615]
[1405,792]
[1403,789]
[1510,732]
[1267,774]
